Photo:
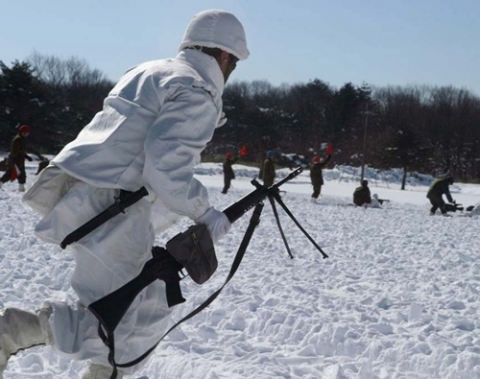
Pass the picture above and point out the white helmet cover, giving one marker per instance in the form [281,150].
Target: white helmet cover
[217,29]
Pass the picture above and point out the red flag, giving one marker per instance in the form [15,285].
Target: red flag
[243,151]
[329,149]
[15,173]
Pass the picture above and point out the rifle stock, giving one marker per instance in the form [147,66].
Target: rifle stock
[110,309]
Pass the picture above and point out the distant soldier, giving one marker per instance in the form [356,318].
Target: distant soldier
[16,160]
[438,188]
[228,174]
[362,197]
[268,175]
[316,175]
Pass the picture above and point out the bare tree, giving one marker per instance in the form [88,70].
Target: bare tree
[65,73]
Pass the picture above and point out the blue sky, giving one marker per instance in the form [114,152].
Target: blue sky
[378,42]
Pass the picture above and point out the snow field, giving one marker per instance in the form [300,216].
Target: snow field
[398,297]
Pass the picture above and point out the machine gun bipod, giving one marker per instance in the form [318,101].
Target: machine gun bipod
[236,210]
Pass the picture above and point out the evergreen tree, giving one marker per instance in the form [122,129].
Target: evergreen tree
[22,101]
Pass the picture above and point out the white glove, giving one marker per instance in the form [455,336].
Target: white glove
[216,222]
[222,121]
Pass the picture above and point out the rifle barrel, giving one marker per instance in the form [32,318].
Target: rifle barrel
[239,208]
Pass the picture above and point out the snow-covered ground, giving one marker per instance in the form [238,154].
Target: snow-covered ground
[398,296]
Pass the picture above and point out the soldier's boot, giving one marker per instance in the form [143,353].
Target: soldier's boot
[313,200]
[21,330]
[100,372]
[21,187]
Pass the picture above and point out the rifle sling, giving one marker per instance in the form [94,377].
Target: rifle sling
[124,200]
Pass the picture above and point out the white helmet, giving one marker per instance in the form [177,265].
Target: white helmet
[216,29]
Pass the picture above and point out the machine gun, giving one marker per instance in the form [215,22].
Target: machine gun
[110,309]
[453,207]
[256,197]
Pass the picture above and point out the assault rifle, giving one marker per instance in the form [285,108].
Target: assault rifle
[110,309]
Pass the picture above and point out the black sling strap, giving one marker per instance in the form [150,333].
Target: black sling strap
[124,200]
[107,335]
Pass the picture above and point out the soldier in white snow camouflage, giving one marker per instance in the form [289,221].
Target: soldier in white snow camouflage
[154,125]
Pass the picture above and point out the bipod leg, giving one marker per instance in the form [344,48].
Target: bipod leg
[282,204]
[277,219]
[254,221]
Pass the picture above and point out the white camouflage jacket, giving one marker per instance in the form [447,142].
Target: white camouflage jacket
[154,124]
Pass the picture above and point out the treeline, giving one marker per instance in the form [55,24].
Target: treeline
[55,97]
[417,128]
[421,128]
